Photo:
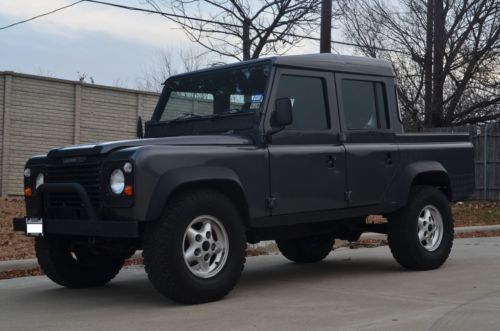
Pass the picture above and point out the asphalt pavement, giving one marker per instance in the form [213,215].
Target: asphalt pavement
[353,289]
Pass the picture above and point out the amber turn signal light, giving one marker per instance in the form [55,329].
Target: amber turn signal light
[28,192]
[128,190]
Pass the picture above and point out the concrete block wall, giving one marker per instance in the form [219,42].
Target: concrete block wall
[39,113]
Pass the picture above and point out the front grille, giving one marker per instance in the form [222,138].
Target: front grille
[88,174]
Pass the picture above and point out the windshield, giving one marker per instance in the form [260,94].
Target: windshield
[231,97]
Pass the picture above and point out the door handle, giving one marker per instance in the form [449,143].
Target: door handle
[388,159]
[330,161]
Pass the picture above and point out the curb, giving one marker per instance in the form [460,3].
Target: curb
[463,229]
[479,228]
[32,263]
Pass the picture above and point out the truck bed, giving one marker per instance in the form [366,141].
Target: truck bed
[453,151]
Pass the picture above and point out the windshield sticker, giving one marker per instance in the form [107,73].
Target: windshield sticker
[255,105]
[257,97]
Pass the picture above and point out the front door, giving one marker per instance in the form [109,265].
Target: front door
[307,160]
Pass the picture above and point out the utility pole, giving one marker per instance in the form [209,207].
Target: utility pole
[429,43]
[246,40]
[438,73]
[325,44]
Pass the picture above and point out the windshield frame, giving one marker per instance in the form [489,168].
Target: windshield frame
[166,92]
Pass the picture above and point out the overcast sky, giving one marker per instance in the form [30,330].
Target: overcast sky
[110,44]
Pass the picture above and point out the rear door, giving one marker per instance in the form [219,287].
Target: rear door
[369,139]
[307,160]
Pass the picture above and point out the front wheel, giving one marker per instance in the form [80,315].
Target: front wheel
[421,233]
[75,265]
[195,253]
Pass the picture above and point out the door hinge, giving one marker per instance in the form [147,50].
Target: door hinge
[342,137]
[347,195]
[271,202]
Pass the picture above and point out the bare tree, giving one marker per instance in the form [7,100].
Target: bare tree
[446,54]
[120,82]
[169,64]
[84,77]
[244,29]
[45,72]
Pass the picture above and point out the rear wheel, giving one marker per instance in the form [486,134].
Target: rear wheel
[421,233]
[196,252]
[306,249]
[74,265]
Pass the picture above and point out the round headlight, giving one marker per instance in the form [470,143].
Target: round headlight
[39,180]
[117,181]
[27,172]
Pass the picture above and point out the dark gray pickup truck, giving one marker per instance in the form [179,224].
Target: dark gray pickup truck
[296,149]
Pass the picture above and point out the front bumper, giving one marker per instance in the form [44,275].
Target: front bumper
[92,226]
[99,228]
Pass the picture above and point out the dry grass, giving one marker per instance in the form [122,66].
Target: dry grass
[21,273]
[13,246]
[470,213]
[473,213]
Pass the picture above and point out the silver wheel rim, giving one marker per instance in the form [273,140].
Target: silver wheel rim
[205,246]
[430,228]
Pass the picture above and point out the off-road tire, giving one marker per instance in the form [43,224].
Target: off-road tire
[163,248]
[75,266]
[403,238]
[306,249]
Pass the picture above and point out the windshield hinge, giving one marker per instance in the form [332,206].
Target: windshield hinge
[347,195]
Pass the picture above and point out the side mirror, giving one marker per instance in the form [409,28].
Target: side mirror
[282,115]
[140,130]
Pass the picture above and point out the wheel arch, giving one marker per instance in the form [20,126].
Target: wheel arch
[429,173]
[223,180]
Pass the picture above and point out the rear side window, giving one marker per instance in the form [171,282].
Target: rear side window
[365,104]
[308,101]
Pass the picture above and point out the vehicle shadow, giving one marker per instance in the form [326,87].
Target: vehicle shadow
[125,290]
[329,269]
[133,289]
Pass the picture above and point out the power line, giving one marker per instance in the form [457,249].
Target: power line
[169,15]
[235,25]
[173,16]
[41,15]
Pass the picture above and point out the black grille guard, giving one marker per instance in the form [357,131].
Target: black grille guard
[64,188]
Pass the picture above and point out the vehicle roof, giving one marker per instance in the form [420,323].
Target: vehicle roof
[325,62]
[335,62]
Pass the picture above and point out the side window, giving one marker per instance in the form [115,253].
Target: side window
[308,101]
[365,104]
[396,97]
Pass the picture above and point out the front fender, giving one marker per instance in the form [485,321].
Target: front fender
[173,179]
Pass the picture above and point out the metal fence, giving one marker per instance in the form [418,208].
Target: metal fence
[486,140]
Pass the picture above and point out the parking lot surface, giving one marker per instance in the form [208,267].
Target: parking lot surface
[353,289]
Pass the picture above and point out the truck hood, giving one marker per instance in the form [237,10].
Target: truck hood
[107,147]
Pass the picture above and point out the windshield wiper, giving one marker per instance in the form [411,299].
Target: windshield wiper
[231,112]
[184,116]
[187,116]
